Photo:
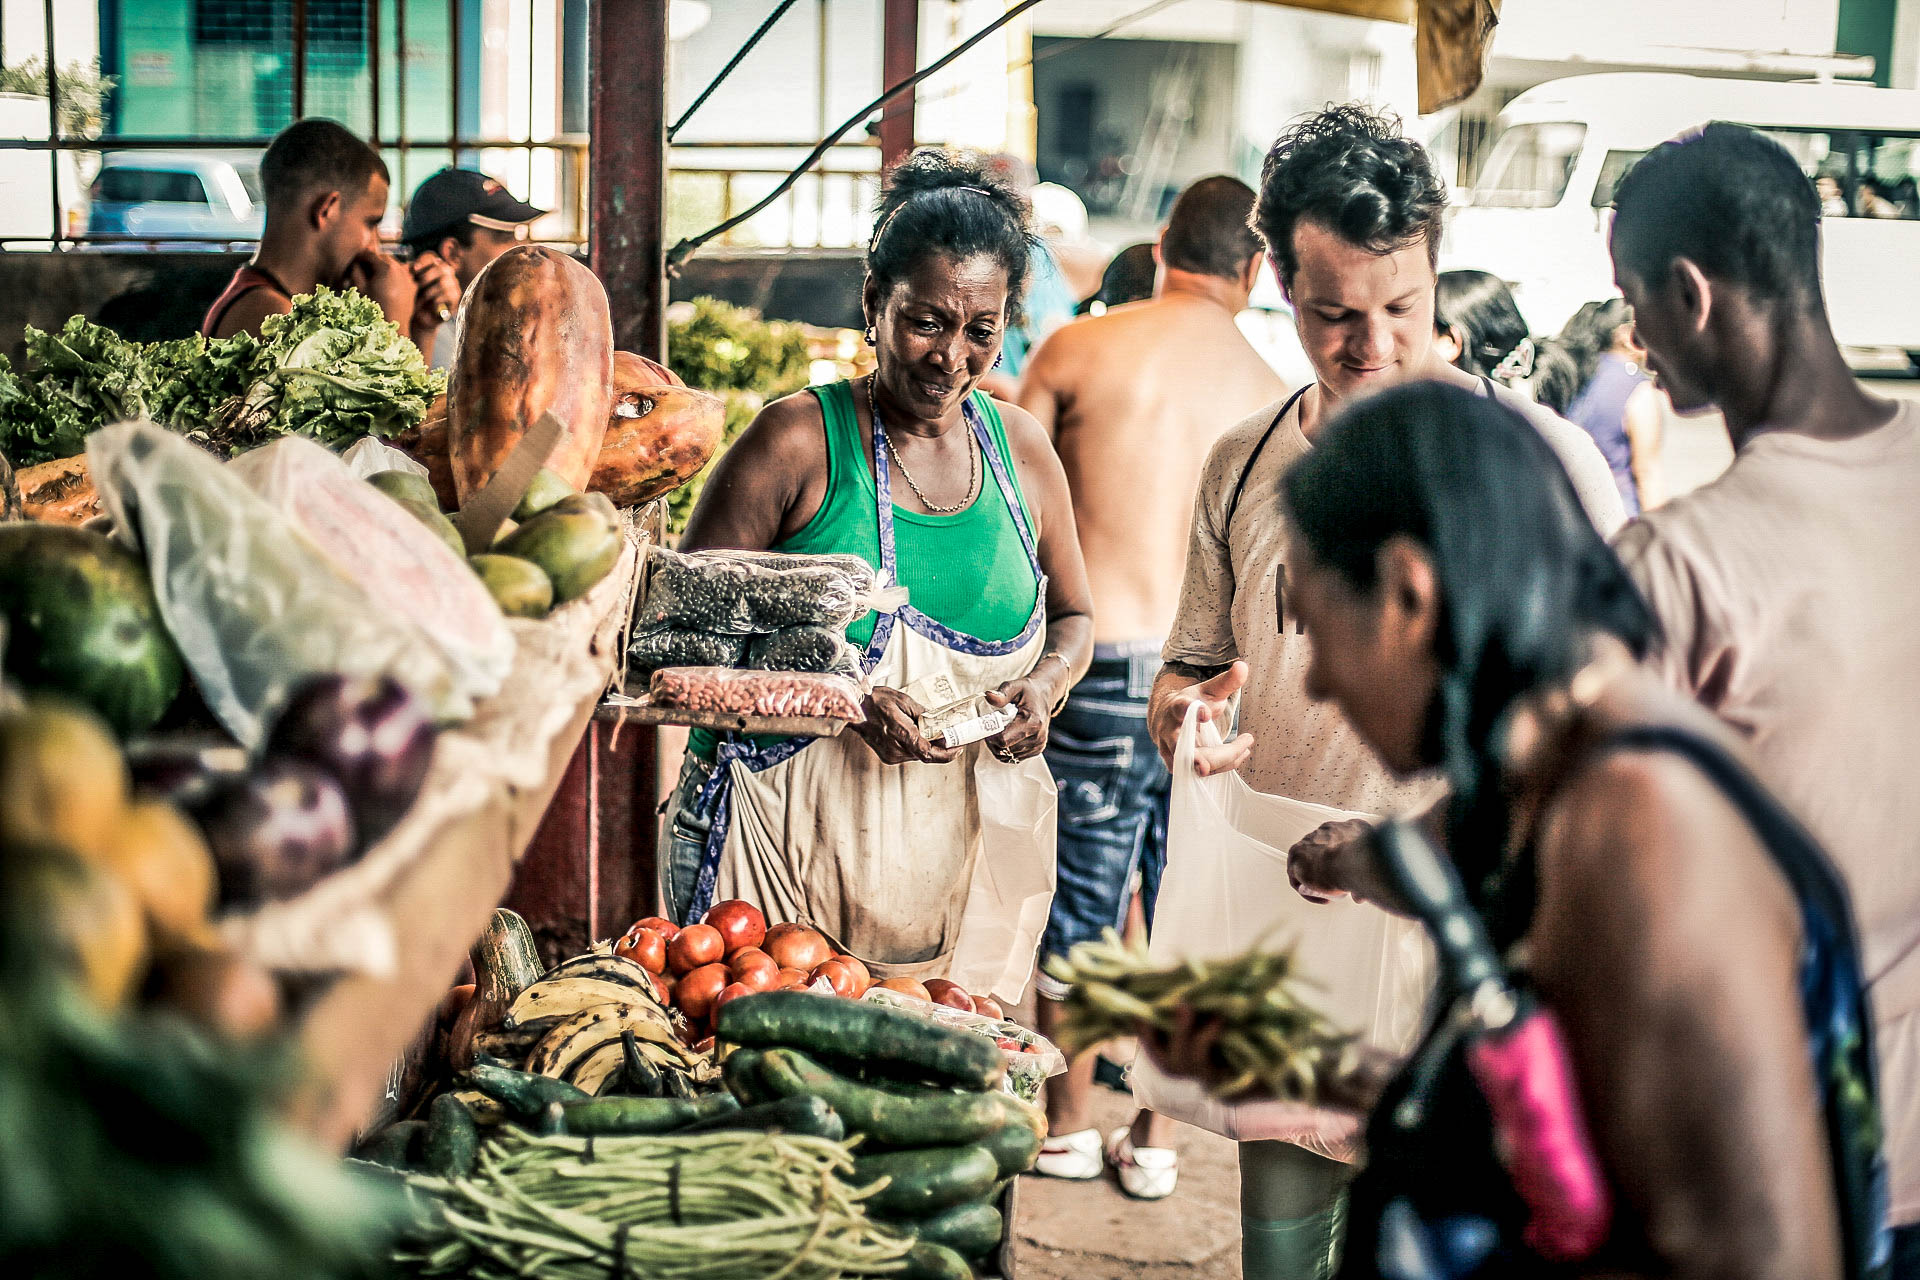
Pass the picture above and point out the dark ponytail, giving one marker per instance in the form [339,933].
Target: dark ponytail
[1524,578]
[955,203]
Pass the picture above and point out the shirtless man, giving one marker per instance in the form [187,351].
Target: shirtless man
[1350,212]
[1134,399]
[326,194]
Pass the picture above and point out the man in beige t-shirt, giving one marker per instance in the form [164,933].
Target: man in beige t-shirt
[1787,588]
[1350,213]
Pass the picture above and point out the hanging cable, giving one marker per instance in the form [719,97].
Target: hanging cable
[686,248]
[778,11]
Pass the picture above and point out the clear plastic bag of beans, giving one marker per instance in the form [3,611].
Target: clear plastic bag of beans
[757,693]
[748,593]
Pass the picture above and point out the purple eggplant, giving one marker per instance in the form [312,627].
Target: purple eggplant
[183,770]
[276,832]
[370,734]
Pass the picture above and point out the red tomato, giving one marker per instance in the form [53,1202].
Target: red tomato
[794,946]
[699,989]
[907,987]
[1011,1046]
[755,968]
[666,928]
[951,994]
[645,948]
[662,988]
[837,974]
[732,991]
[740,924]
[1029,1048]
[790,979]
[696,945]
[862,979]
[988,1007]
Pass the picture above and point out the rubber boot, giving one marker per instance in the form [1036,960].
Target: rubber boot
[1294,1248]
[1292,1212]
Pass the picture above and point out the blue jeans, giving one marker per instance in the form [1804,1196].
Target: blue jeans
[1113,800]
[683,839]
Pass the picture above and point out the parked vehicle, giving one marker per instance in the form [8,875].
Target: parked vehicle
[1540,213]
[28,217]
[210,196]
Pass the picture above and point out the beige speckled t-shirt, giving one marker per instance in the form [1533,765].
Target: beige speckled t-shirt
[1233,606]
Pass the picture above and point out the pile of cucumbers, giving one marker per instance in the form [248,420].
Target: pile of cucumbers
[940,1137]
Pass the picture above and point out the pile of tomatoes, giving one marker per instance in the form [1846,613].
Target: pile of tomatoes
[732,953]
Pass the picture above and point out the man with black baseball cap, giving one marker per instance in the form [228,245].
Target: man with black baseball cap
[465,219]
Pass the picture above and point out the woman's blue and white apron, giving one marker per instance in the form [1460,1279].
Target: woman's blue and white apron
[921,870]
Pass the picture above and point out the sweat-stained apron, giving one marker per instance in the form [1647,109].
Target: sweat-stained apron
[879,857]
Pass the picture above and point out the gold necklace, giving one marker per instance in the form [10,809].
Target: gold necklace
[973,461]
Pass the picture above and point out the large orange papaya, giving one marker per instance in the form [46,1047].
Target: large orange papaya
[535,336]
[659,435]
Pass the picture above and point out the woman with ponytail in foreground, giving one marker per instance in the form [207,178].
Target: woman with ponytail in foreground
[1690,940]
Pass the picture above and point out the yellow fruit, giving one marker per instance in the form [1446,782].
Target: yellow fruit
[84,913]
[161,857]
[62,779]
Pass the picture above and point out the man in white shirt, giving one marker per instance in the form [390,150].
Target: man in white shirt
[1350,213]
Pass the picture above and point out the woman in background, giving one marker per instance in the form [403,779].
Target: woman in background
[1617,403]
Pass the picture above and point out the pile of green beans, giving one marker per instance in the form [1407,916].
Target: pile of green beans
[1269,1041]
[720,1206]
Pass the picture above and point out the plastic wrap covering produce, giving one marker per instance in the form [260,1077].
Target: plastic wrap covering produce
[804,649]
[670,647]
[749,593]
[252,603]
[401,564]
[757,693]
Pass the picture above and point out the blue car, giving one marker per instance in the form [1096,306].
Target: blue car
[204,199]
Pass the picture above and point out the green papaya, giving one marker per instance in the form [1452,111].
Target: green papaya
[576,541]
[547,487]
[519,587]
[405,486]
[82,621]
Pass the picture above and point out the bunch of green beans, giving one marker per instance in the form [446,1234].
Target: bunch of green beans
[720,1206]
[1269,1040]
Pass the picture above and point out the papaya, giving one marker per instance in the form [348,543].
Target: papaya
[398,484]
[426,444]
[82,621]
[59,492]
[546,489]
[520,587]
[575,541]
[432,517]
[63,781]
[535,337]
[658,438]
[630,370]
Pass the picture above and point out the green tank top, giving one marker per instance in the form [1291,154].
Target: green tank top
[968,571]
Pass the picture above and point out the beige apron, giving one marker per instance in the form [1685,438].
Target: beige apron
[882,858]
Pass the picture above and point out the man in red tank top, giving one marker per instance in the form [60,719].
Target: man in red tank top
[326,194]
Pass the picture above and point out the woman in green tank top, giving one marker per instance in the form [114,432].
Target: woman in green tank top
[960,497]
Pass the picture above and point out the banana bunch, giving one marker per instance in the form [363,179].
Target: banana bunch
[597,1023]
[1269,1040]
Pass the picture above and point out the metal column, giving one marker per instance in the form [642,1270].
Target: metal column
[899,58]
[627,63]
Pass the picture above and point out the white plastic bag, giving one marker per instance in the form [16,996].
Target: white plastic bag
[369,457]
[1012,887]
[1225,889]
[254,606]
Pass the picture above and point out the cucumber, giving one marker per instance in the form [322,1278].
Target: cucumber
[521,1092]
[395,1146]
[741,1071]
[803,1113]
[453,1140]
[935,1119]
[927,1180]
[1014,1148]
[927,1261]
[645,1115]
[971,1230]
[867,1033]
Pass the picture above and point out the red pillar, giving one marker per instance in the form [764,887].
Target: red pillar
[899,58]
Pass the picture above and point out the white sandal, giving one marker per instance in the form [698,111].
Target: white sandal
[1146,1173]
[1073,1155]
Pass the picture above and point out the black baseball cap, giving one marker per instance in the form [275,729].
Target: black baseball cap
[454,198]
